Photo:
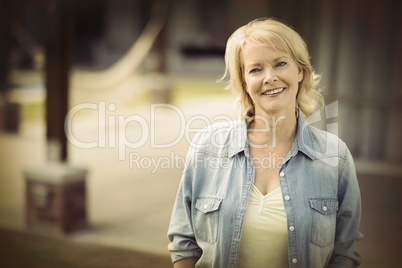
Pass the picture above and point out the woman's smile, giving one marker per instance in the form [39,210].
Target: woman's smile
[274,92]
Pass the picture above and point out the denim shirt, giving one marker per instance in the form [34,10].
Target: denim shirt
[319,187]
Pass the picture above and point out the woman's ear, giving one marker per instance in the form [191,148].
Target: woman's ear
[245,86]
[300,75]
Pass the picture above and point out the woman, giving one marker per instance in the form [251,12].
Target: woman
[269,190]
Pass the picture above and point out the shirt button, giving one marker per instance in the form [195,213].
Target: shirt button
[249,178]
[282,174]
[294,260]
[291,228]
[287,198]
[206,205]
[324,208]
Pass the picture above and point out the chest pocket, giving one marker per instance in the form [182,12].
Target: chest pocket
[206,219]
[323,216]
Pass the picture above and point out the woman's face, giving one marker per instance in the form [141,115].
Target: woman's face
[271,78]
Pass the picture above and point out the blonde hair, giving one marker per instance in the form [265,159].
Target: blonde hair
[271,32]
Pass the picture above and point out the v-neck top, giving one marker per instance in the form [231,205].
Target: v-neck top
[264,241]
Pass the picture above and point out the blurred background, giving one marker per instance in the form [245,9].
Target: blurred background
[80,128]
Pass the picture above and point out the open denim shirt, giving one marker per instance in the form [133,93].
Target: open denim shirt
[319,187]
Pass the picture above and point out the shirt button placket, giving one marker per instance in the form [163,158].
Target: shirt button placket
[287,198]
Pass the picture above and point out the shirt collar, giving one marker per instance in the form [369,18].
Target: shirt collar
[239,138]
[303,141]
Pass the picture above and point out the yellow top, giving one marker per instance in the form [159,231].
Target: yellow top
[264,240]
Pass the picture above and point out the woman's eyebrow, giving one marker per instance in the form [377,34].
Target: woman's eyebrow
[253,64]
[281,57]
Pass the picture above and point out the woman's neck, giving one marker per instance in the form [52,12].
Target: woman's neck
[273,130]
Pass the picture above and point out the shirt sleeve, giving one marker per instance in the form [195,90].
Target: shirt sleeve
[348,216]
[180,233]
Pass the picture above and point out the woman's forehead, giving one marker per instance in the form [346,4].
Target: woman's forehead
[262,52]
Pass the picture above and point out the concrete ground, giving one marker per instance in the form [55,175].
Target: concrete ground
[131,193]
[131,190]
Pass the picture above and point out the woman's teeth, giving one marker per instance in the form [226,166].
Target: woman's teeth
[271,92]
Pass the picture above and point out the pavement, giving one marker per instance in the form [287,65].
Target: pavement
[135,167]
[130,191]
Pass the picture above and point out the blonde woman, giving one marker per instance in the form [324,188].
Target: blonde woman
[269,190]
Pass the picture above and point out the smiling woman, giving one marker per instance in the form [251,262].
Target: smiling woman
[284,41]
[302,211]
[271,79]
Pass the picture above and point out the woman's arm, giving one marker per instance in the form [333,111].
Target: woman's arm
[348,217]
[183,245]
[186,263]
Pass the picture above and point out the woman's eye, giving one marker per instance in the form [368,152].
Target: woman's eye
[280,64]
[255,70]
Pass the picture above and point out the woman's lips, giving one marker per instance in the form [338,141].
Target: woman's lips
[274,92]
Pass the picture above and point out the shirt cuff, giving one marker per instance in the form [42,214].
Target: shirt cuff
[179,255]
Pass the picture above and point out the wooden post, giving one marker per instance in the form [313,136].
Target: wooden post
[56,193]
[58,43]
[4,45]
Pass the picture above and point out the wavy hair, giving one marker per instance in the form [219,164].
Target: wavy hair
[279,36]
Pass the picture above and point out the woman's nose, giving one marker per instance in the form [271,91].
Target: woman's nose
[270,76]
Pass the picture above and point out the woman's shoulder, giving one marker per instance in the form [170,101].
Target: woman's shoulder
[327,143]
